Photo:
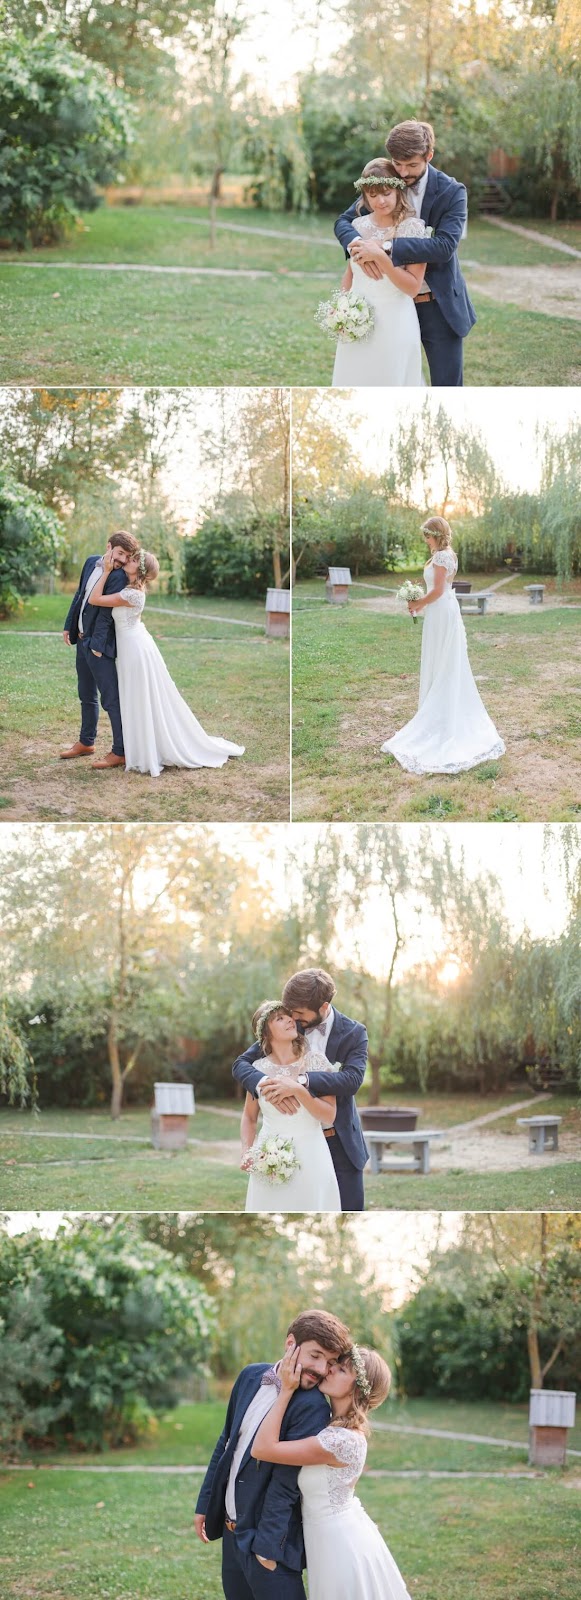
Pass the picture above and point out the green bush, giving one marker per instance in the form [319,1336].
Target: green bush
[231,559]
[466,1339]
[63,130]
[121,1323]
[29,540]
[31,1354]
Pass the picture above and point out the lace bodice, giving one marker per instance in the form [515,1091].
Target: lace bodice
[135,599]
[315,1062]
[441,558]
[329,1490]
[408,228]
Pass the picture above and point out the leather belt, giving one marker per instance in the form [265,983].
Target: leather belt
[231,1526]
[329,1133]
[425,295]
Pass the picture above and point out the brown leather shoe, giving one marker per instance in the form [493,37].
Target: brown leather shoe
[108,761]
[77,750]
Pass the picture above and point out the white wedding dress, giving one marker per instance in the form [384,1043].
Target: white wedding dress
[159,730]
[347,1559]
[451,730]
[313,1187]
[392,355]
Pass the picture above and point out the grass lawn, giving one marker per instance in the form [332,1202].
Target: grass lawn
[117,327]
[81,1536]
[235,680]
[355,681]
[114,1167]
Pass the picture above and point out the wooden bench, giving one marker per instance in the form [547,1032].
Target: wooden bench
[419,1161]
[473,604]
[543,1131]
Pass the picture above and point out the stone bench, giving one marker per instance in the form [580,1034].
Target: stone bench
[419,1160]
[536,593]
[473,604]
[543,1132]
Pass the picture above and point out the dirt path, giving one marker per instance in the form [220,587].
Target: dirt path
[553,291]
[198,1472]
[535,235]
[502,603]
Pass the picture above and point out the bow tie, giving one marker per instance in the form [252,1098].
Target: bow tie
[271,1377]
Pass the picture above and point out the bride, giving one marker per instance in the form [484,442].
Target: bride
[347,1558]
[313,1187]
[451,730]
[158,727]
[392,354]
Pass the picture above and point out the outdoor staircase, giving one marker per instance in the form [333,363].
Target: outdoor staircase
[494,200]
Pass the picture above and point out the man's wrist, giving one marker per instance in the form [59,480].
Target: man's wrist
[303,1079]
[387,245]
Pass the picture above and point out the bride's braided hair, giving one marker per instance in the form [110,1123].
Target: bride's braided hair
[148,569]
[440,530]
[372,1386]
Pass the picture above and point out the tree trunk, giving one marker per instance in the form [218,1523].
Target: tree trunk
[116,1073]
[534,1358]
[276,567]
[214,197]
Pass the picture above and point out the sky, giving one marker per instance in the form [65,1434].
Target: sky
[396,1244]
[507,418]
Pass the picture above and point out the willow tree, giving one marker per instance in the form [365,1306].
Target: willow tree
[358,894]
[435,459]
[109,921]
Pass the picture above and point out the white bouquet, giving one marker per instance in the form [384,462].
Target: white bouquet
[347,316]
[275,1159]
[410,591]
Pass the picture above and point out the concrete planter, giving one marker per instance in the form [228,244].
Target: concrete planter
[389,1119]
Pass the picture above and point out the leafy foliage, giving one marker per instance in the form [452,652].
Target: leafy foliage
[231,556]
[29,541]
[110,1325]
[63,131]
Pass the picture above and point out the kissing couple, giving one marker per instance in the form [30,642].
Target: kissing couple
[118,661]
[301,1077]
[280,1487]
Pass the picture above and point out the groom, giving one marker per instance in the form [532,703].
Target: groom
[308,995]
[445,311]
[254,1506]
[92,629]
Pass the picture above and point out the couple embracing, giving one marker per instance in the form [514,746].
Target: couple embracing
[401,239]
[280,1487]
[301,1078]
[119,664]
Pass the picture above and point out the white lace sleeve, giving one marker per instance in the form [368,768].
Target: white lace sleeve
[411,228]
[445,558]
[348,1446]
[315,1061]
[134,597]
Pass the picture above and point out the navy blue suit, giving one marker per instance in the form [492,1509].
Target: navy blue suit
[268,1509]
[347,1043]
[96,675]
[447,319]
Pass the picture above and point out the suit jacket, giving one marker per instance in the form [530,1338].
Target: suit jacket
[347,1043]
[444,208]
[268,1509]
[98,624]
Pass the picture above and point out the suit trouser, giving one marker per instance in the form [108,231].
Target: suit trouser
[97,675]
[349,1178]
[243,1578]
[444,348]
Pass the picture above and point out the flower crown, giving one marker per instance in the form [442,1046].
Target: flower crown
[376,181]
[357,1361]
[268,1010]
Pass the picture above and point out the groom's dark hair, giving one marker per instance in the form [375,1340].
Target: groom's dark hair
[313,988]
[324,1329]
[126,541]
[409,139]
